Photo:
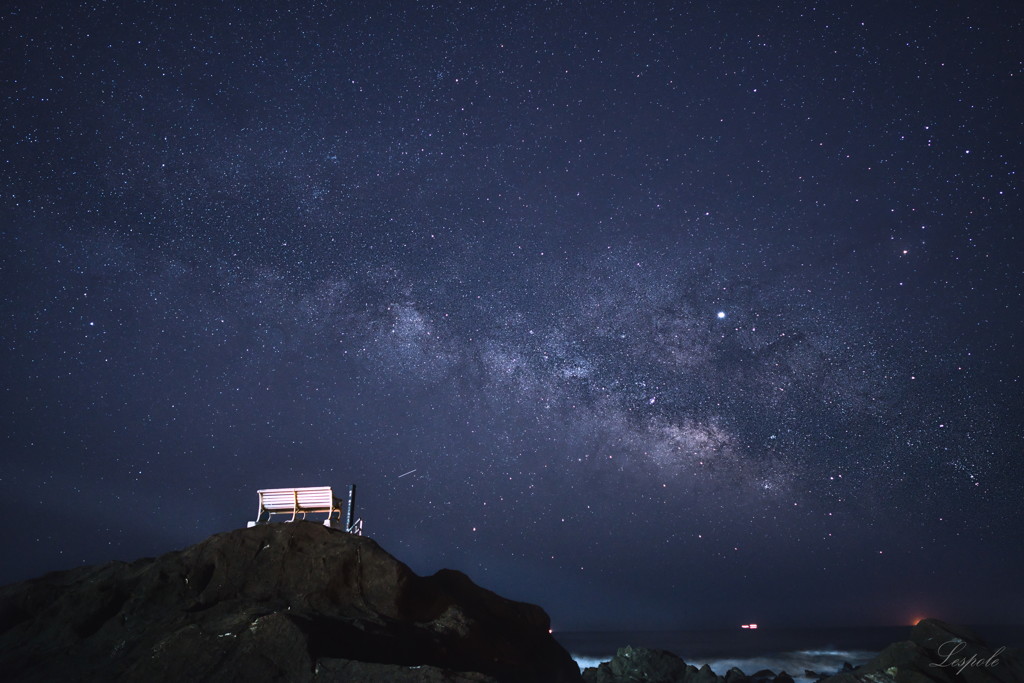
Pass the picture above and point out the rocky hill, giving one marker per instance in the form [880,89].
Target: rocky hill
[277,602]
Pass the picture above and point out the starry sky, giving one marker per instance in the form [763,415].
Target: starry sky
[659,315]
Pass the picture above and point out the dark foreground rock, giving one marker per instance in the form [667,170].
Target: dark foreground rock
[277,602]
[642,665]
[936,653]
[638,664]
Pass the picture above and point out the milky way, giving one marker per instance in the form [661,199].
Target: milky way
[655,316]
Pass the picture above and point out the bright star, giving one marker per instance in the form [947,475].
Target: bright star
[721,314]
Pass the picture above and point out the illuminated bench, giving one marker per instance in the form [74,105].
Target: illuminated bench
[309,500]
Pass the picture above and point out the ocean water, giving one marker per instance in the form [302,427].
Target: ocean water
[822,650]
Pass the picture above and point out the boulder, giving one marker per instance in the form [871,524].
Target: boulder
[632,664]
[703,675]
[735,675]
[289,602]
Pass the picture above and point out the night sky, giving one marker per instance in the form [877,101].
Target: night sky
[659,315]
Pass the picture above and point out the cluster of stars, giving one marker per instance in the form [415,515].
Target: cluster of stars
[738,287]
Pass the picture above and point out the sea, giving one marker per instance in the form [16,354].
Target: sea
[796,651]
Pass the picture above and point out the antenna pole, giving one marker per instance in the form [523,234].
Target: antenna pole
[351,508]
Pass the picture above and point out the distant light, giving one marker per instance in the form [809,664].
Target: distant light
[721,314]
[749,626]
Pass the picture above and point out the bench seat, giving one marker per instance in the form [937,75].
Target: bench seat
[299,501]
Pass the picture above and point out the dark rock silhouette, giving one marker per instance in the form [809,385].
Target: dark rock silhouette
[288,602]
[638,664]
[938,652]
[735,675]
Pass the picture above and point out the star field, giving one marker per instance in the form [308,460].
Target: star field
[657,315]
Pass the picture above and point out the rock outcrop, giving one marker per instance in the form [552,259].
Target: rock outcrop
[938,652]
[277,602]
[638,664]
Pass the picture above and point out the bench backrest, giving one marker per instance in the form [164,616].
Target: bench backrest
[311,497]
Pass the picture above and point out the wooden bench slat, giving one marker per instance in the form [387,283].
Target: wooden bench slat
[301,499]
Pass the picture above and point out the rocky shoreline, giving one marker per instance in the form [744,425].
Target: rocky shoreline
[936,652]
[301,602]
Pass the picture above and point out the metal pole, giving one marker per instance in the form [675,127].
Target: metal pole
[350,520]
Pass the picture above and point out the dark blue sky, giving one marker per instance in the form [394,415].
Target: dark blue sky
[684,314]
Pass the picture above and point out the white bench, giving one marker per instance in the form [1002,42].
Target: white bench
[307,500]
